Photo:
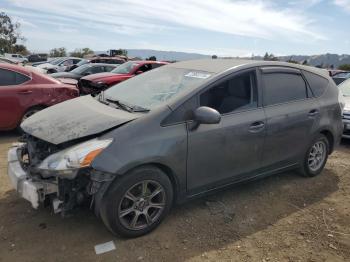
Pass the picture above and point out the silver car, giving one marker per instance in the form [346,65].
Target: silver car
[345,92]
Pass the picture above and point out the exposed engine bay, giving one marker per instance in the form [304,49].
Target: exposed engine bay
[62,191]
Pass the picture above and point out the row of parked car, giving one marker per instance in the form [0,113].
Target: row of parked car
[25,90]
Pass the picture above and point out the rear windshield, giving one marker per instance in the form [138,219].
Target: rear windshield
[56,61]
[125,68]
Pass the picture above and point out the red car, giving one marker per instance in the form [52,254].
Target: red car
[95,83]
[25,91]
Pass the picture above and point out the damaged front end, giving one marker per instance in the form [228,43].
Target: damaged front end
[60,175]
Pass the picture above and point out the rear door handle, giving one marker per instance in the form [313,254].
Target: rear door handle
[313,112]
[256,127]
[25,92]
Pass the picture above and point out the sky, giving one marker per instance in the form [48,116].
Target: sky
[221,27]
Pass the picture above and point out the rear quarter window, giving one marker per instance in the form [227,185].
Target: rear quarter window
[318,84]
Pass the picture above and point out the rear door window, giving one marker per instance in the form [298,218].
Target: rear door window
[283,87]
[8,77]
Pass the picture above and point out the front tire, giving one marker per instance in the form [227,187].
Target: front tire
[137,202]
[316,157]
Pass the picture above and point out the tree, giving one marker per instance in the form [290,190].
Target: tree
[20,49]
[152,58]
[123,52]
[87,51]
[58,52]
[266,56]
[305,62]
[270,57]
[214,57]
[345,67]
[82,52]
[9,33]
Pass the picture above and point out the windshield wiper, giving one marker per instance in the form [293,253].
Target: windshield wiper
[127,107]
[121,105]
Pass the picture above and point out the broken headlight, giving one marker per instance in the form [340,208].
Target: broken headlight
[74,157]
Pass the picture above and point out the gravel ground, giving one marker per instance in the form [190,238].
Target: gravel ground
[280,218]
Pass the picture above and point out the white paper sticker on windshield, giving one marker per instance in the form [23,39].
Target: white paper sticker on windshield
[200,75]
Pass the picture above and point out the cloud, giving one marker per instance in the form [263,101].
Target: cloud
[24,22]
[252,18]
[345,4]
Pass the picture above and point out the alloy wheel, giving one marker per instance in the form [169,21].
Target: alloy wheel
[142,204]
[317,155]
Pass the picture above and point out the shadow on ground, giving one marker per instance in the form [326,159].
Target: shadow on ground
[209,223]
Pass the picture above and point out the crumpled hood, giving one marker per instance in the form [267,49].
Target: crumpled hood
[75,118]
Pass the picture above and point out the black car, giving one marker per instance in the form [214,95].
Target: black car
[175,133]
[84,70]
[37,58]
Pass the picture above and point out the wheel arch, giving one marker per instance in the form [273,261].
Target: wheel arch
[166,169]
[329,135]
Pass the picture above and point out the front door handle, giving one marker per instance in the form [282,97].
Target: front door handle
[256,127]
[313,112]
[25,92]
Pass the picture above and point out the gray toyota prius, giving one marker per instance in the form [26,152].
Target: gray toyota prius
[175,133]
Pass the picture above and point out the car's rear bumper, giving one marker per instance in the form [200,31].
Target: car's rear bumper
[32,190]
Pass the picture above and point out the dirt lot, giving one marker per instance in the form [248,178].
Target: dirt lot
[281,218]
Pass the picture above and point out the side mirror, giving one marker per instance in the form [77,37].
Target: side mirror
[205,115]
[138,72]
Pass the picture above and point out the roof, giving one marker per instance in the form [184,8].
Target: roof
[16,68]
[101,64]
[106,57]
[149,62]
[217,66]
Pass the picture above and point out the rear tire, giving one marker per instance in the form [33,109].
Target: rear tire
[137,203]
[316,157]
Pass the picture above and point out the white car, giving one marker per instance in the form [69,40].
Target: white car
[17,57]
[60,65]
[345,91]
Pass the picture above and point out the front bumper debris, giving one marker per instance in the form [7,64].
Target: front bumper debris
[32,189]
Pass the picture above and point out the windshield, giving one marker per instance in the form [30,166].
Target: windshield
[81,69]
[345,88]
[56,61]
[125,68]
[343,75]
[156,87]
[83,62]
